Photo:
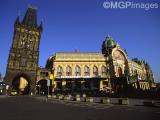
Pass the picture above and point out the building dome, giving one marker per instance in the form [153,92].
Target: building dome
[109,42]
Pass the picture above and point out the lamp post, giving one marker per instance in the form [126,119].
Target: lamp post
[48,85]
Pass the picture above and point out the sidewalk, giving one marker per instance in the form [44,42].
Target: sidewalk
[96,101]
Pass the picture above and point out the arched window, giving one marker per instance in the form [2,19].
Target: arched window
[68,71]
[86,71]
[120,72]
[104,71]
[59,71]
[77,71]
[95,71]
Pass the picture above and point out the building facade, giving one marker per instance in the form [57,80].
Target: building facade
[108,71]
[21,72]
[80,72]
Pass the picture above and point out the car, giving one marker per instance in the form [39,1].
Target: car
[13,93]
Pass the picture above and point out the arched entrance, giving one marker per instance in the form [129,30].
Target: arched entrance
[42,88]
[21,84]
[119,80]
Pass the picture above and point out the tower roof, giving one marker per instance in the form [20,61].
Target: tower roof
[109,42]
[17,20]
[30,18]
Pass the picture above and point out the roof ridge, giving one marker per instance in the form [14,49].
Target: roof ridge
[77,52]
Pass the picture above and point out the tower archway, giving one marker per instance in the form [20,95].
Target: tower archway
[21,84]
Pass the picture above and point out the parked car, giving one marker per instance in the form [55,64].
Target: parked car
[13,93]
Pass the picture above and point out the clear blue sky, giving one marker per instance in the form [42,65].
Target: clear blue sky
[83,25]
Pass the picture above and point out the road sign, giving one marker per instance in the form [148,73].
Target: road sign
[51,77]
[48,82]
[7,87]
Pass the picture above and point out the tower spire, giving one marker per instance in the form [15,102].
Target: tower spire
[30,18]
[41,26]
[17,21]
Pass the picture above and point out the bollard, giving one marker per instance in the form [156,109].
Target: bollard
[67,97]
[61,97]
[123,101]
[54,96]
[89,99]
[148,103]
[105,100]
[77,98]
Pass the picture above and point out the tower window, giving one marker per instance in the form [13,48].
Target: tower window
[23,62]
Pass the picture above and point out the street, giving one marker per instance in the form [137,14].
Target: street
[37,108]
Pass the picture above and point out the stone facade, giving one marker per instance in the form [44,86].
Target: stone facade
[24,51]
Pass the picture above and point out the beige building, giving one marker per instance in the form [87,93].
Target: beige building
[108,71]
[80,71]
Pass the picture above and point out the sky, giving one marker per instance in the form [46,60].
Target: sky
[83,25]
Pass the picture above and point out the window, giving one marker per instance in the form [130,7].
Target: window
[23,62]
[44,74]
[104,71]
[68,71]
[95,71]
[59,71]
[120,72]
[77,71]
[86,71]
[23,42]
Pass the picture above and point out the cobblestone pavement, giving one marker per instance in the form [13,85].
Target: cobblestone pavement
[135,104]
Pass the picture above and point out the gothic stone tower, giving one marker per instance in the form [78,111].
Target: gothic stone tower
[23,58]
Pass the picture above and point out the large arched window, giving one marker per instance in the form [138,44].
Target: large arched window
[77,71]
[104,71]
[86,71]
[95,71]
[68,71]
[59,71]
[120,72]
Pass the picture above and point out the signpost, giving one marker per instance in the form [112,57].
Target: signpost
[7,88]
[48,85]
[51,77]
